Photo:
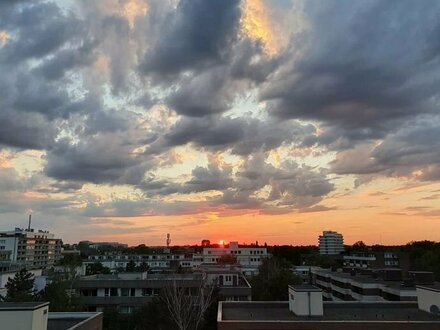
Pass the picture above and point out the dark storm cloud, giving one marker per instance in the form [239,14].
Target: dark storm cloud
[242,135]
[41,29]
[208,131]
[202,179]
[414,147]
[44,43]
[290,187]
[208,93]
[364,64]
[56,67]
[25,131]
[199,33]
[102,159]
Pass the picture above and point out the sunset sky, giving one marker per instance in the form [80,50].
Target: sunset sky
[125,120]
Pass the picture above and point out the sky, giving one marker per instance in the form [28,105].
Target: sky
[251,120]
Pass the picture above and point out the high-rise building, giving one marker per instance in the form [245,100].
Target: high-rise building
[331,243]
[31,249]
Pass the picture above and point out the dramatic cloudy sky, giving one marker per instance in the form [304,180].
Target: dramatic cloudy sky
[221,119]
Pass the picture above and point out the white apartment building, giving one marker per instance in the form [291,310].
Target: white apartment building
[247,256]
[157,261]
[331,243]
[31,249]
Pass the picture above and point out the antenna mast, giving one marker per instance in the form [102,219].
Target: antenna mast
[30,219]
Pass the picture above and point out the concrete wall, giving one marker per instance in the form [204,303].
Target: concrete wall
[428,298]
[24,319]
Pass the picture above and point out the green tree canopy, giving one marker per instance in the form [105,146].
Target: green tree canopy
[59,291]
[97,268]
[273,280]
[20,288]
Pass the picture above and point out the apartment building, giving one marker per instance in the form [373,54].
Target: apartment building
[250,257]
[377,260]
[367,285]
[331,243]
[126,291]
[306,309]
[232,284]
[155,262]
[31,249]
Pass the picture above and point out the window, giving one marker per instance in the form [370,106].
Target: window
[126,292]
[147,292]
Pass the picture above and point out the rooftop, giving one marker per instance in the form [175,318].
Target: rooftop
[5,306]
[333,311]
[70,321]
[305,288]
[364,279]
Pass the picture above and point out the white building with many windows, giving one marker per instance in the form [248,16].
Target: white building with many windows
[29,248]
[331,243]
[249,257]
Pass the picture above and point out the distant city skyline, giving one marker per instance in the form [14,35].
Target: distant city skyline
[241,120]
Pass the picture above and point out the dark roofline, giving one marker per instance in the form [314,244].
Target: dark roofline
[10,306]
[429,288]
[305,288]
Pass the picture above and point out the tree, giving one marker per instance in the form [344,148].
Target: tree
[273,280]
[131,266]
[60,292]
[186,308]
[97,268]
[143,267]
[359,246]
[20,288]
[154,315]
[71,260]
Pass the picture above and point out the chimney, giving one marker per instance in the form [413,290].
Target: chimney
[305,300]
[30,219]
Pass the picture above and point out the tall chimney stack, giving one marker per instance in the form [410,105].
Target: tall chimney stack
[30,218]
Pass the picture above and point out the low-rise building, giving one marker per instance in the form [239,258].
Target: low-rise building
[126,291]
[368,285]
[377,260]
[306,310]
[156,261]
[232,284]
[36,316]
[250,257]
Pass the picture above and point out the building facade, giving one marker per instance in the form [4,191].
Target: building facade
[31,249]
[232,284]
[380,285]
[331,243]
[249,257]
[307,310]
[377,260]
[127,291]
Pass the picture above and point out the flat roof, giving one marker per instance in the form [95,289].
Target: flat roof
[365,279]
[305,288]
[430,287]
[13,306]
[70,320]
[333,311]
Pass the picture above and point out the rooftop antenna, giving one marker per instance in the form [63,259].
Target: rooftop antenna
[168,240]
[30,219]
